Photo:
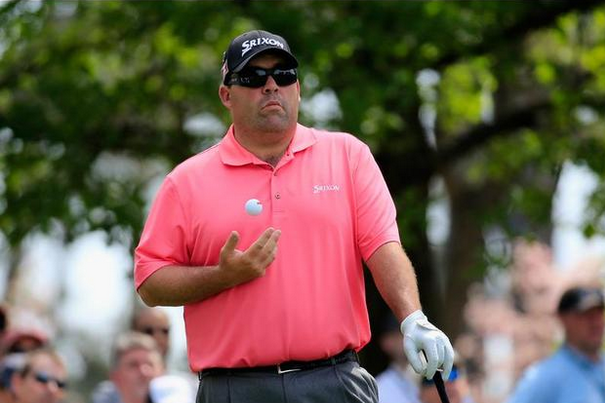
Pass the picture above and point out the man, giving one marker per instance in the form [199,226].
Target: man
[135,361]
[22,340]
[395,385]
[14,345]
[275,325]
[576,372]
[9,365]
[456,387]
[3,319]
[155,323]
[42,378]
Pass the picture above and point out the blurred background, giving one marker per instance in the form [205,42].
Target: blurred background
[486,118]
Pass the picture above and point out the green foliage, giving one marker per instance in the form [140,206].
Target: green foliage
[91,87]
[97,100]
[83,79]
[464,90]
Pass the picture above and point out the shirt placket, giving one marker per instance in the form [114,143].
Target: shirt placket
[277,192]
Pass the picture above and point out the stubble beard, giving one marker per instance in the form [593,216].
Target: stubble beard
[268,127]
[272,122]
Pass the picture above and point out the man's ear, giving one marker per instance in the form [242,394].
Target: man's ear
[224,93]
[298,89]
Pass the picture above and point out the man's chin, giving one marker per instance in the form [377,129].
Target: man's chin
[274,124]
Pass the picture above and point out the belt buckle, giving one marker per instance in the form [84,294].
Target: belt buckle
[285,371]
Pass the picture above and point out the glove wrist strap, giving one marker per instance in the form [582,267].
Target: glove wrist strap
[410,319]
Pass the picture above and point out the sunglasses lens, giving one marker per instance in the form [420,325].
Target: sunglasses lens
[45,378]
[284,77]
[152,330]
[257,77]
[253,78]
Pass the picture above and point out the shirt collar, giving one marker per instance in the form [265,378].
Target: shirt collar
[232,152]
[581,359]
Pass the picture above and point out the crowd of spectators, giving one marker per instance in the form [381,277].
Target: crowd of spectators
[33,371]
[511,323]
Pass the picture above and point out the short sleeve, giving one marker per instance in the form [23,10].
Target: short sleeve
[376,213]
[163,240]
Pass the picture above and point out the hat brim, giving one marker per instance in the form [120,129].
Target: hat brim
[585,304]
[589,304]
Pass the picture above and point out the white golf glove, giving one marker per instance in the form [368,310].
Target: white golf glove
[419,336]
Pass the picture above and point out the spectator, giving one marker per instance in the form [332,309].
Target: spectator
[155,323]
[456,388]
[575,372]
[22,340]
[135,361]
[14,345]
[396,384]
[9,365]
[3,320]
[42,378]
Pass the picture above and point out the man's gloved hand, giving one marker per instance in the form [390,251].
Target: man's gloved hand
[419,335]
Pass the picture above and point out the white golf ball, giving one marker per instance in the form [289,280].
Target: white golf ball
[254,207]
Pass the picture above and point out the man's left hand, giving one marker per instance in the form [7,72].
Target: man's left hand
[420,336]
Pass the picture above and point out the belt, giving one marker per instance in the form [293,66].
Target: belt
[285,367]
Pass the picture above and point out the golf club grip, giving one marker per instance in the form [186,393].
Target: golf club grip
[440,387]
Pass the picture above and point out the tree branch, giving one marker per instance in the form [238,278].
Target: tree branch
[537,18]
[482,133]
[423,167]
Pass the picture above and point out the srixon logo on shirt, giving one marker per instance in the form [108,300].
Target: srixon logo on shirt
[249,44]
[325,188]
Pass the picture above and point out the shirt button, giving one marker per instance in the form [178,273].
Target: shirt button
[277,196]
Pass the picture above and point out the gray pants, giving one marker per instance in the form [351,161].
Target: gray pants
[340,383]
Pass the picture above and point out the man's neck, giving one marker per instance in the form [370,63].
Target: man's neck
[273,160]
[592,355]
[268,147]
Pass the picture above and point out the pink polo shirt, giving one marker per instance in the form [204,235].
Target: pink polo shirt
[331,203]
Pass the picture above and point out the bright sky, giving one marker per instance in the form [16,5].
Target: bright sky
[569,245]
[98,297]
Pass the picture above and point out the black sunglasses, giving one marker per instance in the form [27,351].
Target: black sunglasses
[152,330]
[44,378]
[256,77]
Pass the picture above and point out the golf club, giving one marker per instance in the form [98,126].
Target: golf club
[440,387]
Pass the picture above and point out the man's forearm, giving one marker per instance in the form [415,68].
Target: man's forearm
[395,279]
[426,347]
[182,285]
